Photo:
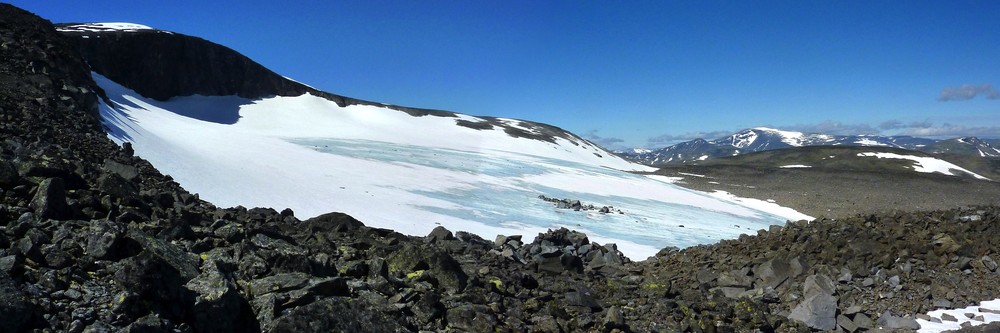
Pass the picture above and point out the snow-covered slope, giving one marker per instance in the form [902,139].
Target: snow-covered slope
[391,169]
[928,164]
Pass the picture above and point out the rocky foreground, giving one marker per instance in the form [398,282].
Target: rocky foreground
[93,239]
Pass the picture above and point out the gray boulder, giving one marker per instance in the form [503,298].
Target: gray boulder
[818,311]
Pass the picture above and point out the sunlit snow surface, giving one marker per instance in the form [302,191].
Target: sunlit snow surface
[389,169]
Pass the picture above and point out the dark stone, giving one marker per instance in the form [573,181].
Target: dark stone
[50,199]
[439,234]
[149,323]
[186,264]
[15,309]
[8,173]
[127,172]
[863,321]
[158,284]
[471,318]
[439,264]
[105,240]
[818,311]
[351,315]
[218,306]
[278,283]
[773,273]
[584,298]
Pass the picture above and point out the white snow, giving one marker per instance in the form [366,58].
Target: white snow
[770,207]
[869,142]
[105,26]
[691,174]
[392,170]
[927,164]
[703,157]
[959,314]
[791,138]
[795,166]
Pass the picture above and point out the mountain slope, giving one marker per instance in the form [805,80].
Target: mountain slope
[763,139]
[841,181]
[400,167]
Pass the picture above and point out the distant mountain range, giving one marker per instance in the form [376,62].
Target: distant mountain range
[762,139]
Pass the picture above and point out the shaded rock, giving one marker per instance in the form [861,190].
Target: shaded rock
[773,273]
[846,323]
[818,284]
[989,263]
[888,320]
[218,306]
[584,298]
[127,172]
[104,241]
[186,264]
[818,311]
[863,321]
[50,199]
[15,309]
[352,315]
[472,318]
[278,283]
[439,234]
[439,264]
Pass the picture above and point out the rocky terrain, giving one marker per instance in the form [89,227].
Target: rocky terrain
[842,186]
[93,239]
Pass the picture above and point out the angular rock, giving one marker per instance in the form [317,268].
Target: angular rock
[184,263]
[846,323]
[49,201]
[218,306]
[439,234]
[818,284]
[278,283]
[989,263]
[441,266]
[773,273]
[888,320]
[818,311]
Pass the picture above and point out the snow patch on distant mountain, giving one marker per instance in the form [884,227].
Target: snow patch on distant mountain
[928,164]
[104,27]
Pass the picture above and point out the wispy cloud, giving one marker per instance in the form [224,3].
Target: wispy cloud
[835,128]
[967,92]
[896,124]
[606,142]
[950,131]
[669,139]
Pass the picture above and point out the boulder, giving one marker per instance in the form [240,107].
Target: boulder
[890,321]
[218,306]
[818,311]
[49,201]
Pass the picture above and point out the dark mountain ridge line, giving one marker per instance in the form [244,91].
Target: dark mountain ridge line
[124,248]
[160,65]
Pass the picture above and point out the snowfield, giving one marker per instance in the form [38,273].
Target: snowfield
[928,164]
[392,170]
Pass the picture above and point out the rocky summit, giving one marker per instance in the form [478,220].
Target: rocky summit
[93,239]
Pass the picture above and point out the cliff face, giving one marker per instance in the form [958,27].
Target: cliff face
[161,65]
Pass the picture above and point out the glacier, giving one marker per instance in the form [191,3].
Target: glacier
[393,170]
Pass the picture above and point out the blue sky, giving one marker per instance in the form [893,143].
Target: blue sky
[623,73]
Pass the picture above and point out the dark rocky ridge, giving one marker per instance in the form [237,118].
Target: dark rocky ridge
[127,250]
